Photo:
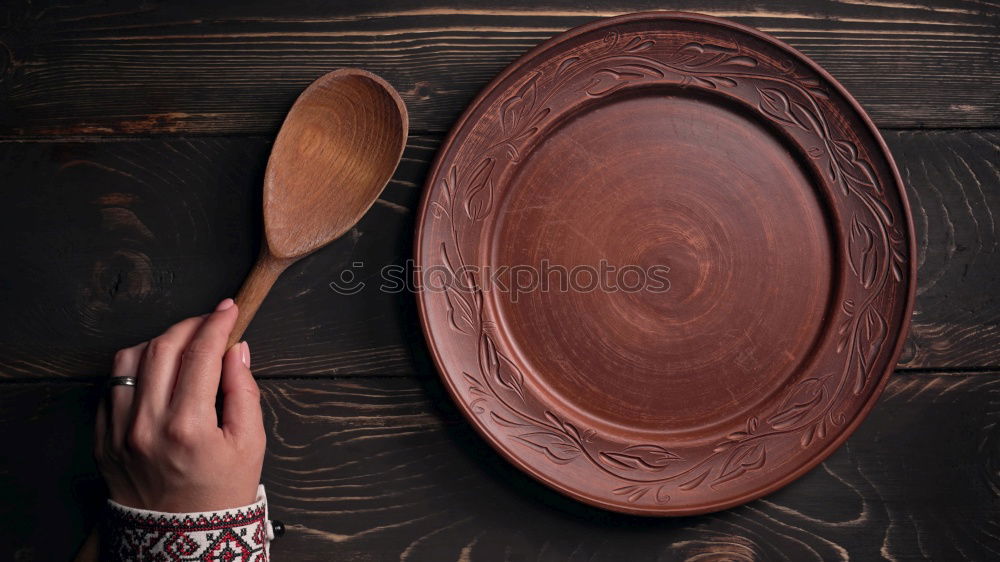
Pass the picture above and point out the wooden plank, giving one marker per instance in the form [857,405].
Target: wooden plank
[112,241]
[385,468]
[131,68]
[954,188]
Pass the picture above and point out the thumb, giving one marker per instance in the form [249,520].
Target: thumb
[241,413]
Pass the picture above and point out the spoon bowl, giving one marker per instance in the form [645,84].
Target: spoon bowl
[337,148]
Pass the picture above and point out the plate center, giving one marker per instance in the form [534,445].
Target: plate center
[686,257]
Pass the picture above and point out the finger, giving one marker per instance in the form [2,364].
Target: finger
[241,415]
[201,364]
[160,364]
[121,397]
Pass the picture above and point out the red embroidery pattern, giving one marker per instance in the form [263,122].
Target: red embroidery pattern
[232,535]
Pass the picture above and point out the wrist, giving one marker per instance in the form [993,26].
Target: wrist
[133,533]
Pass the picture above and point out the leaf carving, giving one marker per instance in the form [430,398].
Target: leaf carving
[461,312]
[743,459]
[869,336]
[609,80]
[476,405]
[807,437]
[479,199]
[742,60]
[530,128]
[867,178]
[640,457]
[848,306]
[472,382]
[502,421]
[518,105]
[897,265]
[856,171]
[494,364]
[805,118]
[637,45]
[723,81]
[815,431]
[566,63]
[845,149]
[637,70]
[689,53]
[861,252]
[695,482]
[775,103]
[448,183]
[701,55]
[558,448]
[600,86]
[634,493]
[797,404]
[712,82]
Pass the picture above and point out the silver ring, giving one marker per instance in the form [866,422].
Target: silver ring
[124,381]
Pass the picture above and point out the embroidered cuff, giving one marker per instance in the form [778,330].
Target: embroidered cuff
[242,533]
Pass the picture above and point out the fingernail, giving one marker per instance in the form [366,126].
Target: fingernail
[225,305]
[245,353]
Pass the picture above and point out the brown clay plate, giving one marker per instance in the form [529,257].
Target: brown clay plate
[766,237]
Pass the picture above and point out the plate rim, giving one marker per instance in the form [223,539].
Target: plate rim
[907,306]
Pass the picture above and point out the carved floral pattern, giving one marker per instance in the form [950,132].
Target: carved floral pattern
[875,257]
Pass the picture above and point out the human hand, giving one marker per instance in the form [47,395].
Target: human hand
[160,444]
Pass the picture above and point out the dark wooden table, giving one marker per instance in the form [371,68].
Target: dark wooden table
[134,138]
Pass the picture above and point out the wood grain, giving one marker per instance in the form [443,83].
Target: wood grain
[420,487]
[112,241]
[383,468]
[129,68]
[955,201]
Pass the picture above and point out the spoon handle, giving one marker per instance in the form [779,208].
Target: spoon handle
[263,275]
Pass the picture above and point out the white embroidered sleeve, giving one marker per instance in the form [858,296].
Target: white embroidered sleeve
[242,533]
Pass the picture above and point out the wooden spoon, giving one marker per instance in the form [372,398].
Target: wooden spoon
[338,147]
